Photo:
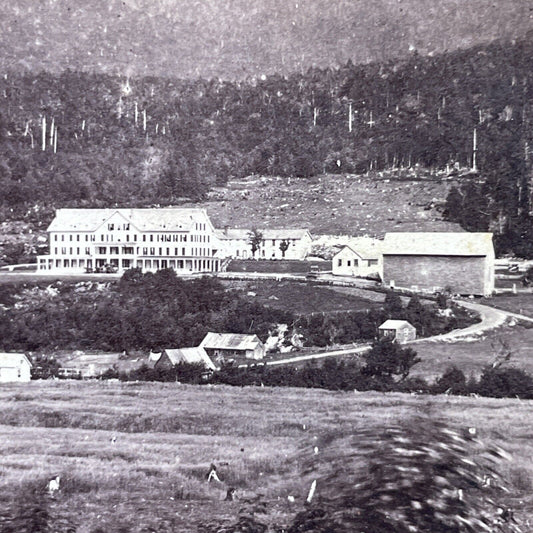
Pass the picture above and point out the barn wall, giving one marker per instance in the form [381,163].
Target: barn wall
[464,275]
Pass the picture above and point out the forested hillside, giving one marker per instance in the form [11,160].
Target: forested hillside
[141,141]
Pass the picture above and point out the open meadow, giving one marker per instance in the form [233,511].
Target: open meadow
[473,354]
[133,456]
[303,298]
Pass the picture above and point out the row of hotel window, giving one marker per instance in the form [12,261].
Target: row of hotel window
[130,250]
[112,226]
[169,237]
[371,262]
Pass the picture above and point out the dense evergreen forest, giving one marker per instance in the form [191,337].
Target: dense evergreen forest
[78,139]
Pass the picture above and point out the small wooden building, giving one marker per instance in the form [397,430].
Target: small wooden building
[462,263]
[400,331]
[231,345]
[90,366]
[172,357]
[14,367]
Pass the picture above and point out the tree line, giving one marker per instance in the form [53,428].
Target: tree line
[386,367]
[82,139]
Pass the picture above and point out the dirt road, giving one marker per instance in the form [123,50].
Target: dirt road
[491,318]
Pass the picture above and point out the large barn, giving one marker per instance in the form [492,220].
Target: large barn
[462,263]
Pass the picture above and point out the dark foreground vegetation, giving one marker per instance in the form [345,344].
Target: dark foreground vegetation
[154,311]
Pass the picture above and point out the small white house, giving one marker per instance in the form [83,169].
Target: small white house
[361,257]
[14,367]
[400,331]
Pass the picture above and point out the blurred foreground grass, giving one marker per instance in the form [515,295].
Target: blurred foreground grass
[151,477]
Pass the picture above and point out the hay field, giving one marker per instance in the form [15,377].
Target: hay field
[152,477]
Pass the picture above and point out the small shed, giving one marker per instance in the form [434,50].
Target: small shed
[222,345]
[400,331]
[90,366]
[14,367]
[172,357]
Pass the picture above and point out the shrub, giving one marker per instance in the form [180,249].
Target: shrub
[505,383]
[387,361]
[453,381]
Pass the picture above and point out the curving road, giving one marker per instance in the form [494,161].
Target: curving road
[491,318]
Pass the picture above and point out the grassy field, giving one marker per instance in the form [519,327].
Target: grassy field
[152,477]
[32,277]
[521,303]
[277,267]
[302,298]
[472,355]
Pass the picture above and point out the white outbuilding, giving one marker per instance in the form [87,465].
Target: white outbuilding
[14,367]
[361,257]
[400,331]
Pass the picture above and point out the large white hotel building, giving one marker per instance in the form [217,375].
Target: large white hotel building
[151,239]
[183,239]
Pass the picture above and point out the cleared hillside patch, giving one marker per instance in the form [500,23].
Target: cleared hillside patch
[332,204]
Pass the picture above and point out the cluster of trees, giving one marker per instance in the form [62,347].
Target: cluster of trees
[385,367]
[146,311]
[93,139]
[322,329]
[142,311]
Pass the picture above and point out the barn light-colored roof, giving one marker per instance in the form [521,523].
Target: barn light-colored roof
[13,360]
[164,219]
[454,244]
[190,355]
[365,247]
[278,234]
[395,324]
[230,341]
